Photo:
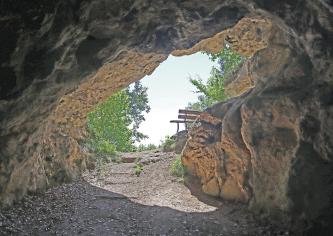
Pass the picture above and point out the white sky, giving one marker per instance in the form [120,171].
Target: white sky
[169,89]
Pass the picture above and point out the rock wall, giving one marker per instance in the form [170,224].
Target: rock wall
[268,152]
[60,58]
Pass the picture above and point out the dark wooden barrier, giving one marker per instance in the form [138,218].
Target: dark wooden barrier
[186,116]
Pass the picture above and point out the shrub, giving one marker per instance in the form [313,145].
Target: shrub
[168,144]
[147,147]
[138,168]
[177,168]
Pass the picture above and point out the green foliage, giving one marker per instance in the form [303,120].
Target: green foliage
[138,100]
[228,58]
[108,125]
[100,146]
[151,146]
[202,103]
[147,147]
[167,144]
[177,168]
[138,168]
[168,141]
[213,90]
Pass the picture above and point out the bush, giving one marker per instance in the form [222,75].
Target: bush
[105,147]
[147,147]
[138,168]
[177,168]
[168,144]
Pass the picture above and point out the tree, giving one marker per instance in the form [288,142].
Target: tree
[109,124]
[213,90]
[138,99]
[113,125]
[228,60]
[202,103]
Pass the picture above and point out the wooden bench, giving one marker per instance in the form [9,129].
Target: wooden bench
[186,116]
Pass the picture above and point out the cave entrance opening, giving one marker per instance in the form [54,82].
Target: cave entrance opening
[142,112]
[128,168]
[142,116]
[146,170]
[170,89]
[124,134]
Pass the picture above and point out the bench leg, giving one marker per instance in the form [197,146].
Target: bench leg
[177,127]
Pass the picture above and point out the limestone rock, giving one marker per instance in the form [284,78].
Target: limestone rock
[212,187]
[221,172]
[240,82]
[61,58]
[269,149]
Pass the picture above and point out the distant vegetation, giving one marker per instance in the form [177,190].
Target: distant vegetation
[213,90]
[143,147]
[113,125]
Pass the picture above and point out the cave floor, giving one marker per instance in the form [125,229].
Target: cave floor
[113,200]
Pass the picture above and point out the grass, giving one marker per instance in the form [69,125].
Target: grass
[177,168]
[138,168]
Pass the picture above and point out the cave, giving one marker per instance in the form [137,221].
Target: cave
[59,59]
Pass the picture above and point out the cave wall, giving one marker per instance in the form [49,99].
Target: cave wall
[274,150]
[60,58]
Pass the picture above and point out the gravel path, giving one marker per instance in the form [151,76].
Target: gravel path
[115,201]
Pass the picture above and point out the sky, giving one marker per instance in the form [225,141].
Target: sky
[169,89]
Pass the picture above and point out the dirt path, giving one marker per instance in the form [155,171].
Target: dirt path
[114,201]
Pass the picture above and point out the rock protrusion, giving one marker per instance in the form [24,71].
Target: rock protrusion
[221,174]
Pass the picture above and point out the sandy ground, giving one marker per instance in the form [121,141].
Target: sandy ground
[115,201]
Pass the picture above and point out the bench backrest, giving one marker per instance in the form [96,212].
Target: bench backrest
[188,114]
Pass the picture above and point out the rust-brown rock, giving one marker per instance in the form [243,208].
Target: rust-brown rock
[260,154]
[221,170]
[60,58]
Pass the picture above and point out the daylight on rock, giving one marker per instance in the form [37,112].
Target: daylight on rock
[142,117]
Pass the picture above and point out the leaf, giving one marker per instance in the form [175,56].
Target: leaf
[213,90]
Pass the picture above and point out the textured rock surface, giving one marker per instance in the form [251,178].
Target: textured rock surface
[241,81]
[60,58]
[222,174]
[268,151]
[180,141]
